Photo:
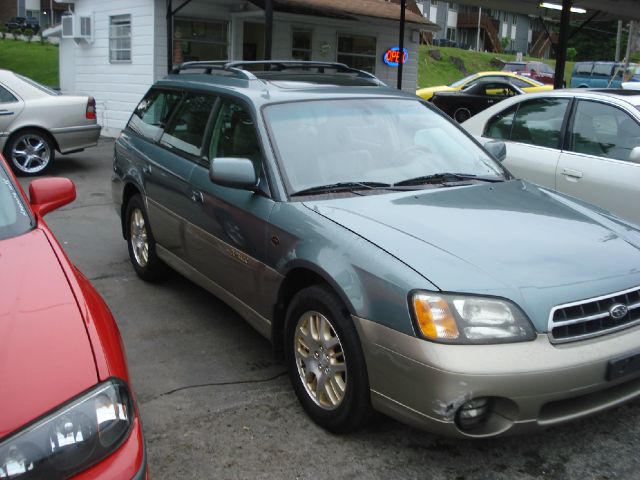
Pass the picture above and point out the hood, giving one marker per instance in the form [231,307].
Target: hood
[427,93]
[509,239]
[45,354]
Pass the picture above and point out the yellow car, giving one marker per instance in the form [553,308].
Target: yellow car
[524,83]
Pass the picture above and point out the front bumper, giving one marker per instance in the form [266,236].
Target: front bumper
[532,385]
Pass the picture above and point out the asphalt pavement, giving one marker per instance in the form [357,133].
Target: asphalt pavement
[216,404]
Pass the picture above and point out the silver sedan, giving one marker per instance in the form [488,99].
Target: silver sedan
[35,121]
[582,142]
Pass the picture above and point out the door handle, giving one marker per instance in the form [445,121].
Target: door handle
[196,196]
[569,172]
[5,113]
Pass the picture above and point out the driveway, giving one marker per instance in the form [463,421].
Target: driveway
[215,402]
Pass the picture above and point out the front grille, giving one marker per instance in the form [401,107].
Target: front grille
[592,317]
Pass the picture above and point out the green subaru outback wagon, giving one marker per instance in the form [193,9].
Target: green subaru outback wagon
[399,266]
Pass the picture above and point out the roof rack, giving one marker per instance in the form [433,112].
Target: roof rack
[210,66]
[236,67]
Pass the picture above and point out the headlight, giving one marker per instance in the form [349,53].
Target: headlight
[469,319]
[71,439]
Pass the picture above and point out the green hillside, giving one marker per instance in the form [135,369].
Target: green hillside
[33,60]
[443,72]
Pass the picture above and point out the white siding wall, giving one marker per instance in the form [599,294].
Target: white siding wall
[117,87]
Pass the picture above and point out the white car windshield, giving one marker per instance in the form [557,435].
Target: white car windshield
[14,217]
[385,141]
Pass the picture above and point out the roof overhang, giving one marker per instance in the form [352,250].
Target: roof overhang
[350,10]
[609,9]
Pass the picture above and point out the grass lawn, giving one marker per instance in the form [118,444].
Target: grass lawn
[39,62]
[443,72]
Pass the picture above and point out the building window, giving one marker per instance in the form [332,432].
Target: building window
[200,40]
[120,39]
[357,52]
[301,45]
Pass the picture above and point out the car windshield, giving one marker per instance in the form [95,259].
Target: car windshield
[463,81]
[375,141]
[14,217]
[39,86]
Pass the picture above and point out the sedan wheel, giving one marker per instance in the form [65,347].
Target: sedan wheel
[142,246]
[30,153]
[325,360]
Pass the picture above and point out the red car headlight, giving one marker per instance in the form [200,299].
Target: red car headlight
[72,438]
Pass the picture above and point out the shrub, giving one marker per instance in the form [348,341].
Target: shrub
[571,54]
[29,33]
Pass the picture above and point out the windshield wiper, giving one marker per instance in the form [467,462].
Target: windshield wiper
[340,187]
[444,178]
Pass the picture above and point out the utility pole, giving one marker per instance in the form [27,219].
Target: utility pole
[478,38]
[618,40]
[630,45]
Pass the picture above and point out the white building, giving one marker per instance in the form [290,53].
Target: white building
[115,49]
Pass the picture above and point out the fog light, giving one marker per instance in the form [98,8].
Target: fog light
[473,413]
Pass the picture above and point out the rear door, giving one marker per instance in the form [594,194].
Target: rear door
[10,108]
[595,165]
[532,131]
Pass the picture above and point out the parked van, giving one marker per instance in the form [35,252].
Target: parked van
[600,74]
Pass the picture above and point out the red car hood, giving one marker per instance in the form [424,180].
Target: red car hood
[45,354]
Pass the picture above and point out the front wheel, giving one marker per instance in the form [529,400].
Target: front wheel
[140,241]
[30,152]
[325,360]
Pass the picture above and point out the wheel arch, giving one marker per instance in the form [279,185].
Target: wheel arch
[298,276]
[130,189]
[22,128]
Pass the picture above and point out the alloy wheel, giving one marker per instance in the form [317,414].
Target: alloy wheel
[320,360]
[31,153]
[138,237]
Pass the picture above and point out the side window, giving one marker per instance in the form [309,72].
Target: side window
[153,112]
[584,69]
[234,135]
[538,122]
[188,125]
[6,96]
[500,89]
[519,83]
[603,130]
[499,127]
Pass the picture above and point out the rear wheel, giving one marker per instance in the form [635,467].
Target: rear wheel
[325,360]
[30,152]
[462,114]
[142,246]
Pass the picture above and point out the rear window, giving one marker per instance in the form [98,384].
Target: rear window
[514,67]
[39,86]
[14,216]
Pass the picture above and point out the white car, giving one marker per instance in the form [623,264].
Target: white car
[35,121]
[585,143]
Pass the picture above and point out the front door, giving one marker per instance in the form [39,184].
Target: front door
[227,232]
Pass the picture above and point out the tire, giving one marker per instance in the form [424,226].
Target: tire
[140,241]
[335,357]
[30,152]
[462,114]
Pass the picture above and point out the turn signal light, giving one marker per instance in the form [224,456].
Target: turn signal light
[434,318]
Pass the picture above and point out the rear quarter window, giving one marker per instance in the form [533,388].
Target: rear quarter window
[153,112]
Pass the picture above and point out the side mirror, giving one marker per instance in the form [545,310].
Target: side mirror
[634,156]
[47,194]
[234,173]
[497,149]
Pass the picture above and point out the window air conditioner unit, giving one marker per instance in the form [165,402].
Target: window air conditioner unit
[77,27]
